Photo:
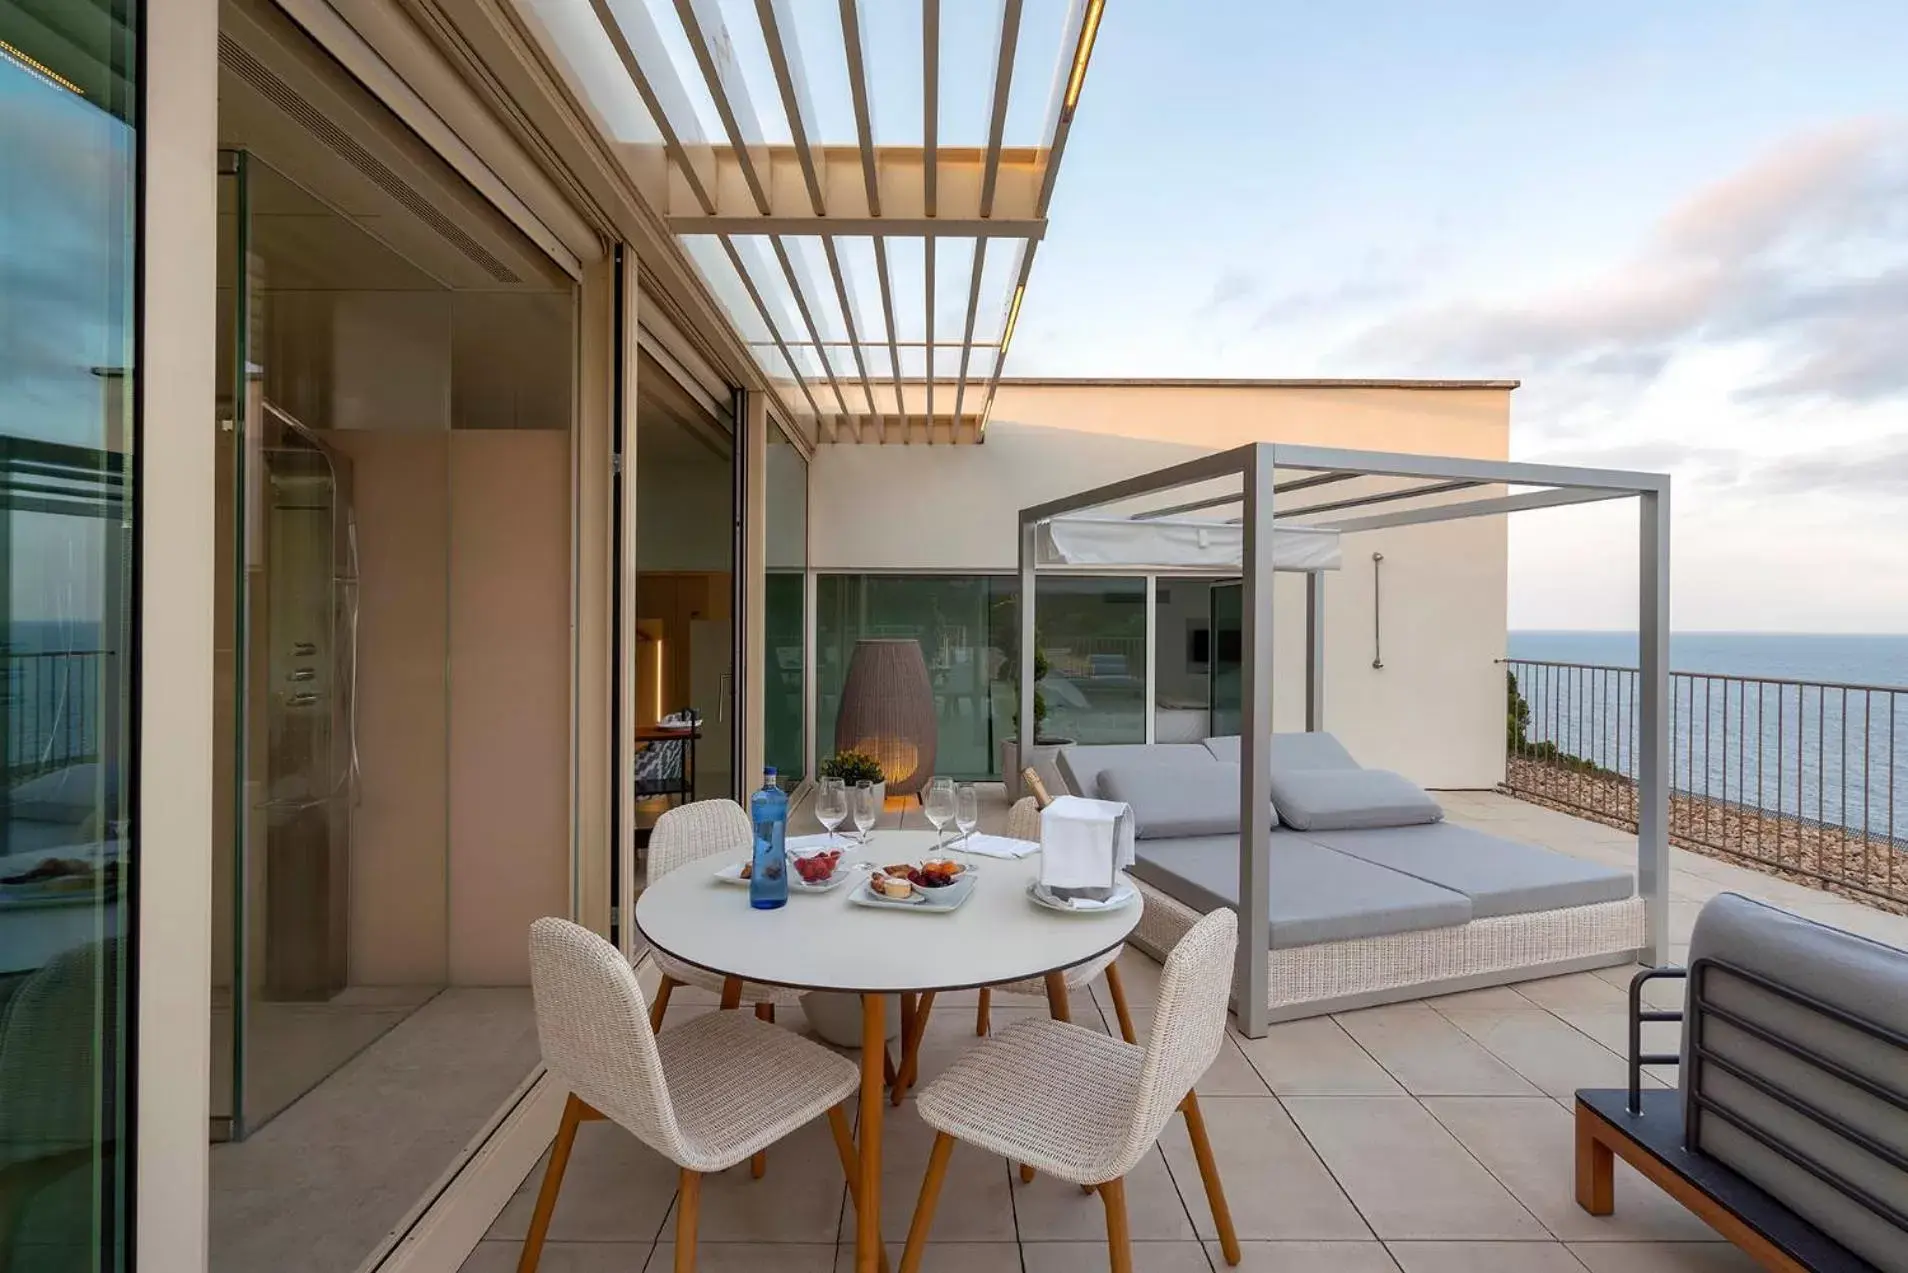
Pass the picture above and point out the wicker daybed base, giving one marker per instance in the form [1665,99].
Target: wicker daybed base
[1335,976]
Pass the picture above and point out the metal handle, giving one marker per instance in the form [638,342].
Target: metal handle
[722,698]
[1377,643]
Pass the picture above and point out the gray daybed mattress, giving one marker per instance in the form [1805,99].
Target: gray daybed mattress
[1318,895]
[1501,877]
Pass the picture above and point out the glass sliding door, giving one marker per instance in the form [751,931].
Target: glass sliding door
[785,620]
[1092,632]
[1226,691]
[683,647]
[68,260]
[1182,659]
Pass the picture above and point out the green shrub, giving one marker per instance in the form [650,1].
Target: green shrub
[852,767]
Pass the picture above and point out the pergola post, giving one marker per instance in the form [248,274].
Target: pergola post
[1314,650]
[1251,974]
[1653,740]
[1025,612]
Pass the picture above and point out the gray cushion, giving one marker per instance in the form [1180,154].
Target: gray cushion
[1861,977]
[1350,799]
[1291,751]
[1172,801]
[1501,877]
[1081,765]
[1317,895]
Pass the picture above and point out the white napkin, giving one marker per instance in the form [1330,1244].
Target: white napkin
[996,846]
[822,840]
[1084,843]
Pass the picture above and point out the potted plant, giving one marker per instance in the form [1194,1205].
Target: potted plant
[1045,747]
[856,766]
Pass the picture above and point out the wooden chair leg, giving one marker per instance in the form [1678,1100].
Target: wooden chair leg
[911,1047]
[924,1206]
[983,1012]
[1118,989]
[1027,1174]
[850,1161]
[731,993]
[1119,1244]
[661,1005]
[1209,1176]
[573,1115]
[765,1012]
[1596,1167]
[688,1220]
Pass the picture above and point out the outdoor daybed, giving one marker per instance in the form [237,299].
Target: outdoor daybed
[1374,898]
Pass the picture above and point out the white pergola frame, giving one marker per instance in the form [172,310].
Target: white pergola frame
[1255,466]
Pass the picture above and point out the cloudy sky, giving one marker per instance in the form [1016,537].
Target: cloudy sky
[1684,227]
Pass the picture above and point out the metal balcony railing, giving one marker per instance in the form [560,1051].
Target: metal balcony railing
[1798,778]
[49,710]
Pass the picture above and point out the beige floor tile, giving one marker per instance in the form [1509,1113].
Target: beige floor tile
[1409,1177]
[1306,1257]
[1090,1257]
[1316,1058]
[1429,1055]
[1529,1145]
[1662,1257]
[1551,1054]
[1488,998]
[1277,1187]
[748,1257]
[616,1189]
[492,1256]
[1484,1257]
[1050,1210]
[799,1200]
[976,1203]
[945,1257]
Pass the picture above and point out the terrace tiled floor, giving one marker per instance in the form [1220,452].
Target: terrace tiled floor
[1429,1137]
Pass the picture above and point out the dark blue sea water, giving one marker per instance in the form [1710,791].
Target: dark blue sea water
[1814,726]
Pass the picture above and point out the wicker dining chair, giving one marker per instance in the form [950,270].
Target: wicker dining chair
[685,835]
[706,1094]
[1078,1105]
[1023,823]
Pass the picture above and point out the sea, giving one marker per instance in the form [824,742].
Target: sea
[1812,725]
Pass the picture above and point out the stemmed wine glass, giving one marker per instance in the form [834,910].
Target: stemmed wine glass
[866,810]
[939,807]
[966,810]
[831,806]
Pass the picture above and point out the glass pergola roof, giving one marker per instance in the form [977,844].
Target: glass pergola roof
[863,184]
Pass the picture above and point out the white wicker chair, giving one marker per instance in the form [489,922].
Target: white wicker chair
[685,835]
[1086,1108]
[706,1094]
[1023,823]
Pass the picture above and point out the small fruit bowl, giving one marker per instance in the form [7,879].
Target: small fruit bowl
[815,868]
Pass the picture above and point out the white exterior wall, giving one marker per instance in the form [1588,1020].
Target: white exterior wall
[1434,712]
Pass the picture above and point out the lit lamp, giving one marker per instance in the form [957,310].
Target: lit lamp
[887,711]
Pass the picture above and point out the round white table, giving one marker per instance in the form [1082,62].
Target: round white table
[822,941]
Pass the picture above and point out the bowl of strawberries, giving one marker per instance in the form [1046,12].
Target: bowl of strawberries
[815,868]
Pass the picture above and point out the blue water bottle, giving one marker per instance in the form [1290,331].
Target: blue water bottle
[768,875]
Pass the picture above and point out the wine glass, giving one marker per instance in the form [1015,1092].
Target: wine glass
[939,807]
[866,809]
[831,806]
[966,809]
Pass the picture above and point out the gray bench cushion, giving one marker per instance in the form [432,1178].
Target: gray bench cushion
[1081,765]
[1172,801]
[1858,976]
[1500,877]
[1291,751]
[1317,895]
[1350,799]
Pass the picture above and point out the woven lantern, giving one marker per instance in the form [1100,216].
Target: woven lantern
[887,711]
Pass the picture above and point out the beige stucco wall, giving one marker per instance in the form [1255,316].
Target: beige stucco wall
[1434,711]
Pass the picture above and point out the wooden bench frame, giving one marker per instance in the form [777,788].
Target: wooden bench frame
[1653,1132]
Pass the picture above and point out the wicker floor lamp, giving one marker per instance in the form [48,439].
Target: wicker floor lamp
[887,711]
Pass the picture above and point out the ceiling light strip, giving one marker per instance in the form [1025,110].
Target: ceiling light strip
[1012,320]
[1085,23]
[1003,84]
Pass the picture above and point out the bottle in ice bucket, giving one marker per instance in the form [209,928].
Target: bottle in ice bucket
[768,874]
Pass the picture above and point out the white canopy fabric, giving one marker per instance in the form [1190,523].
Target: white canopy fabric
[1178,544]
